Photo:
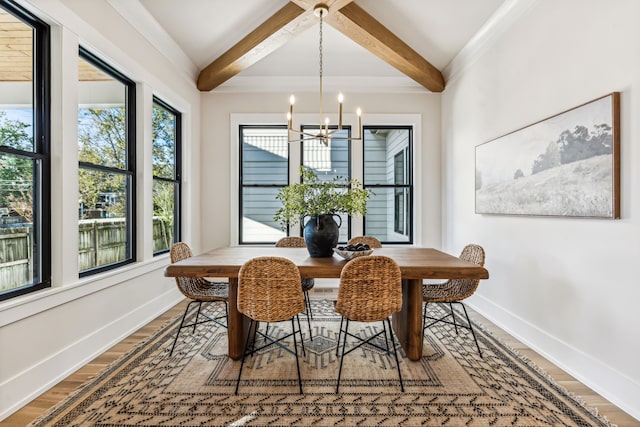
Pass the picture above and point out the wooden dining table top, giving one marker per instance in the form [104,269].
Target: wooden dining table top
[414,263]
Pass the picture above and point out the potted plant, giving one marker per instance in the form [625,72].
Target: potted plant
[320,201]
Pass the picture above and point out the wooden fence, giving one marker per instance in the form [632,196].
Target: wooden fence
[100,242]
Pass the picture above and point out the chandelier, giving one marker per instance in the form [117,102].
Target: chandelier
[324,134]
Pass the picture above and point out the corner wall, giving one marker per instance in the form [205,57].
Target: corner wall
[566,287]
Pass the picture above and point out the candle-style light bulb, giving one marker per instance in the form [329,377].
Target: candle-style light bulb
[326,126]
[340,100]
[292,100]
[359,114]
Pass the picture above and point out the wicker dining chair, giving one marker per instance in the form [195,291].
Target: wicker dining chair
[198,290]
[370,291]
[269,291]
[454,291]
[373,242]
[307,284]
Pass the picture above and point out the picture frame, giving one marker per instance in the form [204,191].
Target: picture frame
[567,165]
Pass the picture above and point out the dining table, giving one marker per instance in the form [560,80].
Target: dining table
[416,264]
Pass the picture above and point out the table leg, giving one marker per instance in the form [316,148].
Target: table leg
[238,323]
[407,323]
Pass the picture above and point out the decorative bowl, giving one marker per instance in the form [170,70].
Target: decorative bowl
[348,255]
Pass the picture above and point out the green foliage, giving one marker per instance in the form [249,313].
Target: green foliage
[16,173]
[313,197]
[163,150]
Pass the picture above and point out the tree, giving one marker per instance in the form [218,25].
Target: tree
[518,174]
[102,142]
[550,159]
[16,173]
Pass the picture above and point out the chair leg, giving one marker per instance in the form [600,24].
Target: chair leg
[453,317]
[344,345]
[295,347]
[184,316]
[244,355]
[471,328]
[299,330]
[424,317]
[195,323]
[339,335]
[395,353]
[384,329]
[307,303]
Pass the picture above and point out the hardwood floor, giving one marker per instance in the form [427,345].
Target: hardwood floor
[38,406]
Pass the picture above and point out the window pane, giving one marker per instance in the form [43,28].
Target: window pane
[387,173]
[164,142]
[16,84]
[387,209]
[16,223]
[259,205]
[102,123]
[329,161]
[164,201]
[265,154]
[103,218]
[102,136]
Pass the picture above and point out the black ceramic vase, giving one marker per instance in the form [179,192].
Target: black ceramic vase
[321,235]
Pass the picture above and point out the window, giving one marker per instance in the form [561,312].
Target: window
[25,264]
[264,170]
[330,161]
[387,172]
[106,149]
[166,127]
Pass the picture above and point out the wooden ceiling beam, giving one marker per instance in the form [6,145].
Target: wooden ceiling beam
[284,25]
[364,29]
[344,15]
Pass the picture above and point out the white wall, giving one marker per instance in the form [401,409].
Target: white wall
[47,335]
[566,287]
[219,192]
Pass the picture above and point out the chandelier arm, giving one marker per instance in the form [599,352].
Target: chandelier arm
[324,135]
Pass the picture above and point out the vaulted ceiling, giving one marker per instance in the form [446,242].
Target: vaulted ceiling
[412,39]
[408,42]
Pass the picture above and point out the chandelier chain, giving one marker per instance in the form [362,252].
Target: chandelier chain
[320,45]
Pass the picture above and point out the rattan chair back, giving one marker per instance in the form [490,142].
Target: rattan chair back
[456,289]
[370,289]
[269,289]
[197,288]
[291,242]
[368,240]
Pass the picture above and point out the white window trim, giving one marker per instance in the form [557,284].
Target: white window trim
[357,162]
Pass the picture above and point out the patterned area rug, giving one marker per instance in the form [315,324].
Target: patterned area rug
[451,385]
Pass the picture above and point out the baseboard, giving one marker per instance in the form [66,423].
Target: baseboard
[614,386]
[29,384]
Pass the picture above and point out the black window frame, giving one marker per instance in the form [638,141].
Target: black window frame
[177,178]
[41,153]
[130,171]
[409,186]
[242,185]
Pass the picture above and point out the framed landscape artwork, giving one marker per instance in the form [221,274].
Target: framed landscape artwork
[567,165]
